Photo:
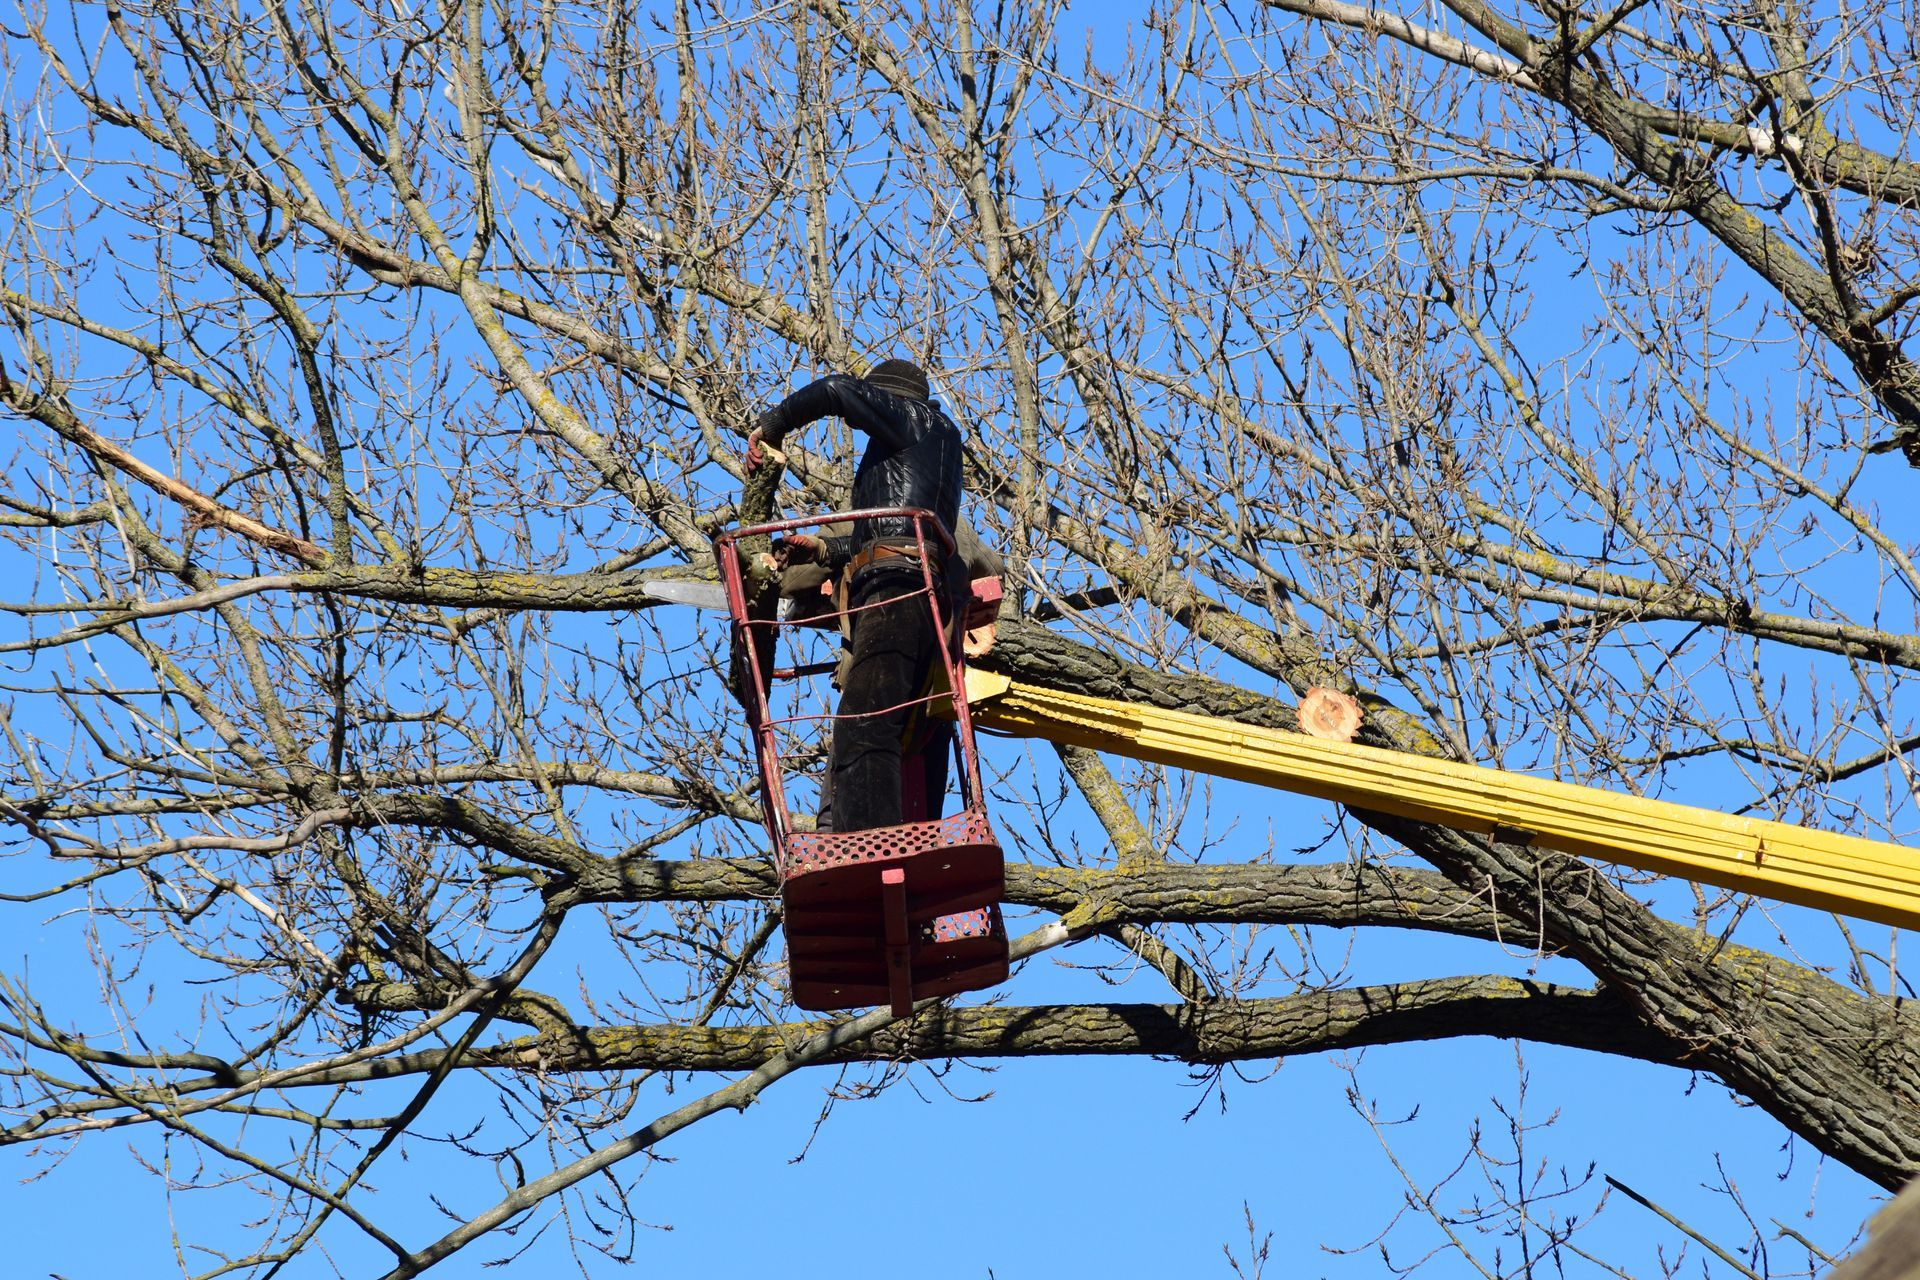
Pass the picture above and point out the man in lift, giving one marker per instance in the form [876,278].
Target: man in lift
[912,459]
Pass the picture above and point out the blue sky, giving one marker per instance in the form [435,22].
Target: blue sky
[1038,1167]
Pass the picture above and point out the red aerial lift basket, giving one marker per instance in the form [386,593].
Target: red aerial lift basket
[894,914]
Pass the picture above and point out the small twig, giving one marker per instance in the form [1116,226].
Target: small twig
[1812,1248]
[1717,1251]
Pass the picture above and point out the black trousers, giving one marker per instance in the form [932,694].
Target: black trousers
[895,645]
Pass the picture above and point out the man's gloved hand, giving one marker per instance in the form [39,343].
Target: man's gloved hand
[759,452]
[799,548]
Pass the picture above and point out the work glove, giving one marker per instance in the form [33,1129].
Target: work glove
[759,450]
[799,548]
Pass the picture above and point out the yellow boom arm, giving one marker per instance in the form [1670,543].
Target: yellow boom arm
[1871,879]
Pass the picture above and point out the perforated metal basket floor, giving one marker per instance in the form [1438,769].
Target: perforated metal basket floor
[947,878]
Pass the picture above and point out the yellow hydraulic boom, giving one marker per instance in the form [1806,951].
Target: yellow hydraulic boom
[1871,879]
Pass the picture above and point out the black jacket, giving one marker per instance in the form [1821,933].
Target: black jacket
[912,457]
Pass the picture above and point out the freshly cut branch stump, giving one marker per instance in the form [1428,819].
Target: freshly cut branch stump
[1326,713]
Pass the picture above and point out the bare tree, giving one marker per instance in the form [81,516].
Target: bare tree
[367,362]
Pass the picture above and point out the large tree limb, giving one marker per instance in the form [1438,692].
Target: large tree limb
[1214,1032]
[1341,895]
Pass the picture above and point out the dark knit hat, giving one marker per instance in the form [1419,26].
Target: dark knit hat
[902,377]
